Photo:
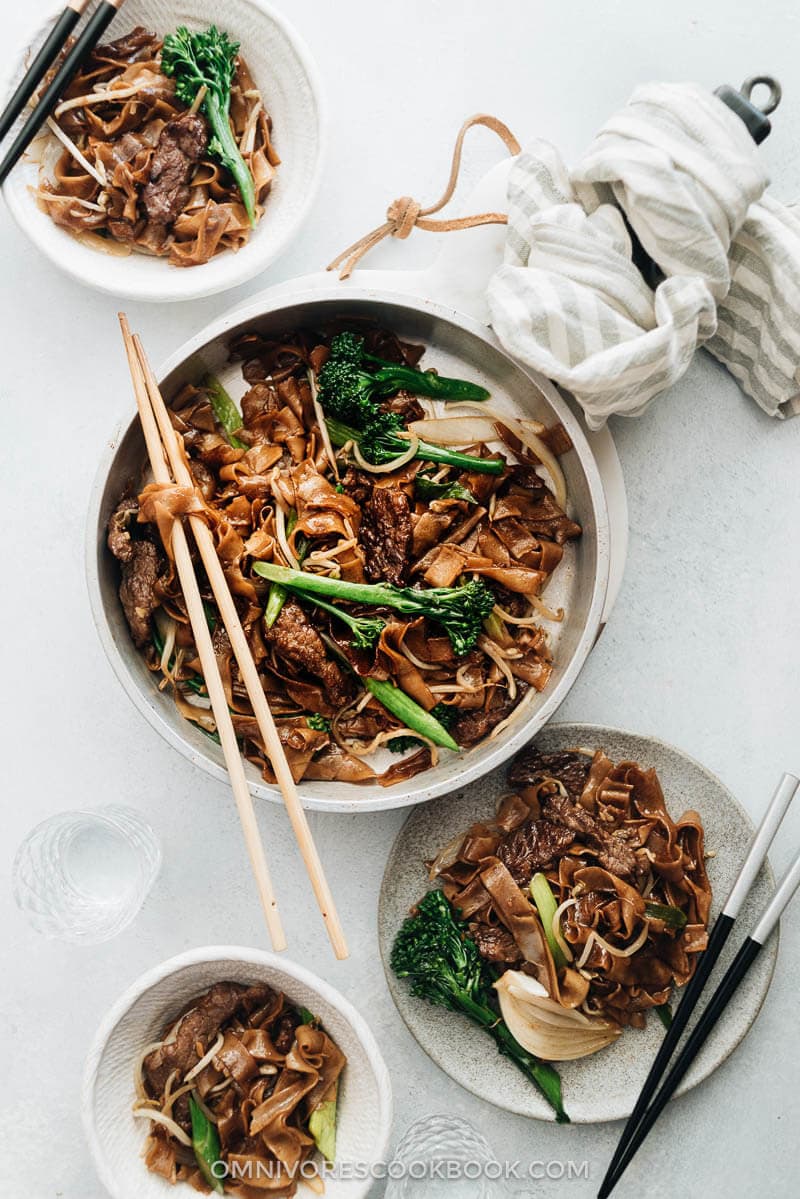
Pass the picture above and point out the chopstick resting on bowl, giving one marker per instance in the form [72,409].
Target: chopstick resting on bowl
[646,1112]
[173,447]
[43,60]
[208,661]
[98,22]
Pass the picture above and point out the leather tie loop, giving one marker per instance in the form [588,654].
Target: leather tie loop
[405,214]
[402,214]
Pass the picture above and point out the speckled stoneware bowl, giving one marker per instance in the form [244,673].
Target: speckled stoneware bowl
[115,1139]
[606,1085]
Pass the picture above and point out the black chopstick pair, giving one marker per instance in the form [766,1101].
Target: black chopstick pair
[653,1098]
[98,22]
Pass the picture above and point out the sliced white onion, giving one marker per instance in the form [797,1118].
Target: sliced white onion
[545,1028]
[547,458]
[387,467]
[482,409]
[455,430]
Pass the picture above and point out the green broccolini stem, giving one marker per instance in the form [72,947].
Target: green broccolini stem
[412,714]
[224,148]
[340,434]
[366,629]
[460,610]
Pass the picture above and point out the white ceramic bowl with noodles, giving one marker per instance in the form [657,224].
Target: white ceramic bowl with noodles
[364,1114]
[287,79]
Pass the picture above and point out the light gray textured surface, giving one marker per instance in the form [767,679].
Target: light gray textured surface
[702,649]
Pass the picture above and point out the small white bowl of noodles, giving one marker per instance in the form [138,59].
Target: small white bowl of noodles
[156,1001]
[136,262]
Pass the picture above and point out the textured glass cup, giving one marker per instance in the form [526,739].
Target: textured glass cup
[444,1157]
[82,876]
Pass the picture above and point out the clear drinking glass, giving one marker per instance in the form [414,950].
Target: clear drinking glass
[82,876]
[444,1157]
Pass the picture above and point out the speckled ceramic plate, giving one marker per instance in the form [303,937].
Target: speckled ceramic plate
[606,1085]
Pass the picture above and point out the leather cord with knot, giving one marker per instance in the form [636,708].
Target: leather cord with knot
[406,214]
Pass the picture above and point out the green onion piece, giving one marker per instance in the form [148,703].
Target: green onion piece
[277,592]
[322,1126]
[426,489]
[546,906]
[206,1145]
[225,410]
[673,917]
[275,601]
[306,1016]
[409,711]
[495,628]
[664,1013]
[322,725]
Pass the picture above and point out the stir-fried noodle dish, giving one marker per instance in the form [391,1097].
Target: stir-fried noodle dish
[565,916]
[387,536]
[240,1092]
[159,147]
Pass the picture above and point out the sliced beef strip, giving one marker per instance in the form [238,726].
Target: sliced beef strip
[201,1024]
[611,849]
[532,846]
[182,143]
[129,47]
[569,768]
[138,589]
[283,1031]
[385,535]
[495,944]
[357,485]
[472,725]
[298,643]
[405,405]
[119,535]
[142,565]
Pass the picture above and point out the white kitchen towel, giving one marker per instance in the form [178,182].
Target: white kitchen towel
[569,300]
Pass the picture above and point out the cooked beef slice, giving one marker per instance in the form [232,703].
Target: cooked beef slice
[298,643]
[182,143]
[569,768]
[385,535]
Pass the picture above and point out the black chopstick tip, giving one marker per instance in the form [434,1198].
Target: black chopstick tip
[606,1187]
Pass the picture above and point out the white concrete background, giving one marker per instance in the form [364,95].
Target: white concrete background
[702,649]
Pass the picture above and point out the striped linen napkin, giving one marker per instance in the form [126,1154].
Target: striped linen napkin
[680,169]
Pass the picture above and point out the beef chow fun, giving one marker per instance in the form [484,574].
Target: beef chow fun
[160,146]
[240,1092]
[566,915]
[387,537]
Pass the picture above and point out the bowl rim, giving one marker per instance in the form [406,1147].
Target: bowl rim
[257,957]
[270,302]
[177,287]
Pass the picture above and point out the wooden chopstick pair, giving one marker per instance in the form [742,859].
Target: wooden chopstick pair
[98,22]
[168,464]
[653,1098]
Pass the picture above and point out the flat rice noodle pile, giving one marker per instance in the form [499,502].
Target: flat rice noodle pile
[603,838]
[264,1073]
[119,138]
[275,498]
